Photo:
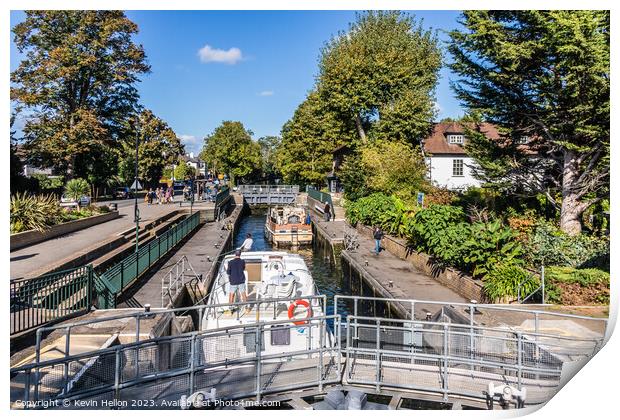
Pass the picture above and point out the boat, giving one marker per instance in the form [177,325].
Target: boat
[281,297]
[286,226]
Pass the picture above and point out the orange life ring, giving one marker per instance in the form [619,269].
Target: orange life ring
[291,310]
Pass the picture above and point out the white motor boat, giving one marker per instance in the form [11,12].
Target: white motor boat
[281,294]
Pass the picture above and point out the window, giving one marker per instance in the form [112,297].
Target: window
[457,167]
[455,138]
[523,140]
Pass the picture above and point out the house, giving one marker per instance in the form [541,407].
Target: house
[195,162]
[448,164]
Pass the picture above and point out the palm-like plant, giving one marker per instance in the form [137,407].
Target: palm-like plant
[29,212]
[76,189]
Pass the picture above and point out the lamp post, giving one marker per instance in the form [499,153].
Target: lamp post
[136,210]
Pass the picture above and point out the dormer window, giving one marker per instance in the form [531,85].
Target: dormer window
[523,140]
[455,138]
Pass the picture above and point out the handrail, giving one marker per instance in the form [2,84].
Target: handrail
[166,290]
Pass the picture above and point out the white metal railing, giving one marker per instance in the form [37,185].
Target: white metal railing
[175,280]
[255,189]
[439,356]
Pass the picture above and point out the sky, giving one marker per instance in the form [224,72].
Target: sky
[250,66]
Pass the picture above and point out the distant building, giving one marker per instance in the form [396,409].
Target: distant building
[448,164]
[195,162]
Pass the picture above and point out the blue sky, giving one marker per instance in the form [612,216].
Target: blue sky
[254,66]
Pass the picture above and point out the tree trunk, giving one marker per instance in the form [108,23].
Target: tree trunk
[572,208]
[360,128]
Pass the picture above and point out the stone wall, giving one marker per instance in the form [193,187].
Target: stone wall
[456,280]
[31,237]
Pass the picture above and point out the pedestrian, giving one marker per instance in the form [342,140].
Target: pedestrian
[308,218]
[149,196]
[185,193]
[247,244]
[159,195]
[167,197]
[327,212]
[378,235]
[146,198]
[236,278]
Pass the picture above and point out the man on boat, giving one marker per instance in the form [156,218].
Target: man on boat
[247,244]
[236,278]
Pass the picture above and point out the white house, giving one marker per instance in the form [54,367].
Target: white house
[448,164]
[196,163]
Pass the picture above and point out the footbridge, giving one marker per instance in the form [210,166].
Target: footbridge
[267,195]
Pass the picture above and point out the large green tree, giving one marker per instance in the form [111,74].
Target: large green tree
[268,147]
[305,154]
[76,82]
[158,146]
[230,149]
[380,75]
[542,75]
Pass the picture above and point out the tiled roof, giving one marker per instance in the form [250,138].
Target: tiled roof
[437,142]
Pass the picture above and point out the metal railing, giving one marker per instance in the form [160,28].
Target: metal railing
[166,368]
[255,189]
[52,297]
[321,196]
[473,314]
[439,356]
[451,359]
[172,282]
[128,270]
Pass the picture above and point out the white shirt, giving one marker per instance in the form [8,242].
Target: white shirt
[247,244]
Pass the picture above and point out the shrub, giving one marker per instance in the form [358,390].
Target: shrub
[549,246]
[30,212]
[491,244]
[593,285]
[442,196]
[505,280]
[585,277]
[76,189]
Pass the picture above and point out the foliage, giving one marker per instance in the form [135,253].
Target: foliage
[489,245]
[380,76]
[77,82]
[505,281]
[268,147]
[353,177]
[49,182]
[394,168]
[442,196]
[76,189]
[304,156]
[36,212]
[231,149]
[544,75]
[593,284]
[388,212]
[182,171]
[158,146]
[549,246]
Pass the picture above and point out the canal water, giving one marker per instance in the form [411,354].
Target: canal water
[325,267]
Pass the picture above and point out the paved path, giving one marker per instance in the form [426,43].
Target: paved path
[29,260]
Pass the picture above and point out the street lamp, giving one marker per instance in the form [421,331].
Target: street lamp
[136,211]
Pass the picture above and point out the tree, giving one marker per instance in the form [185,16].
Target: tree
[231,149]
[394,168]
[305,154]
[77,81]
[76,189]
[268,147]
[158,146]
[544,75]
[381,75]
[182,171]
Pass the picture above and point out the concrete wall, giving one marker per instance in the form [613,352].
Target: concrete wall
[440,170]
[31,237]
[456,280]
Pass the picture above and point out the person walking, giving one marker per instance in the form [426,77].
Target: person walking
[378,235]
[149,196]
[236,278]
[159,195]
[167,196]
[327,212]
[247,244]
